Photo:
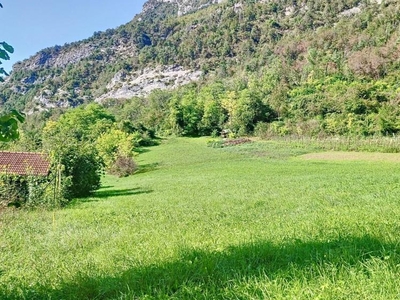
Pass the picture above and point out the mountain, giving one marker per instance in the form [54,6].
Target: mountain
[106,65]
[307,60]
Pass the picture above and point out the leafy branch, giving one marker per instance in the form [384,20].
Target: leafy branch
[9,126]
[9,122]
[5,50]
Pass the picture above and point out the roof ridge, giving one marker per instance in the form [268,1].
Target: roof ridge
[22,152]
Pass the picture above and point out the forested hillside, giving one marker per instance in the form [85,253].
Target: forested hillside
[197,67]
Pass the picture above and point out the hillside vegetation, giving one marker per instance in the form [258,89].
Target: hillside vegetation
[277,67]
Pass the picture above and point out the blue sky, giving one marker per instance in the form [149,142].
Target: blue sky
[30,26]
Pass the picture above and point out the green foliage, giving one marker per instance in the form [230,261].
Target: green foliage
[27,191]
[215,143]
[5,49]
[8,122]
[9,126]
[83,123]
[223,41]
[70,141]
[13,190]
[82,167]
[114,144]
[31,130]
[195,112]
[214,116]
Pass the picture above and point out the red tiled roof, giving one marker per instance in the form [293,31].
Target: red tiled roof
[24,163]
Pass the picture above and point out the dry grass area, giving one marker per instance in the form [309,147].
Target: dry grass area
[353,156]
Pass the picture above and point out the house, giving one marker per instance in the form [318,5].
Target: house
[24,163]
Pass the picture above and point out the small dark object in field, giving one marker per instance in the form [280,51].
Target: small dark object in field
[225,133]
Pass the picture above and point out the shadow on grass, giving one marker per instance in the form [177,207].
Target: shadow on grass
[147,168]
[106,186]
[141,150]
[121,192]
[196,273]
[103,194]
[145,148]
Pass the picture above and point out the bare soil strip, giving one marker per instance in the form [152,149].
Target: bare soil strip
[351,156]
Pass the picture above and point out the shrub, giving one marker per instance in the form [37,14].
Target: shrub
[31,191]
[70,141]
[123,166]
[13,190]
[114,143]
[82,169]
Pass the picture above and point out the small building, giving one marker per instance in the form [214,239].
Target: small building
[16,172]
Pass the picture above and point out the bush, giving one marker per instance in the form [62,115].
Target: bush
[28,191]
[78,164]
[114,143]
[13,190]
[71,141]
[123,166]
[82,169]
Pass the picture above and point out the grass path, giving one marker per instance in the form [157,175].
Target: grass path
[249,222]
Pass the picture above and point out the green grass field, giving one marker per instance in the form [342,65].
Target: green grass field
[254,221]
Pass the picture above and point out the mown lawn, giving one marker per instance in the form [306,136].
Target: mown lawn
[254,221]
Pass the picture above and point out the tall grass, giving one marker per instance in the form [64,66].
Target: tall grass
[385,144]
[245,222]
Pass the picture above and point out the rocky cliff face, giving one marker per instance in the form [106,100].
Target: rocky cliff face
[182,6]
[106,65]
[127,85]
[58,57]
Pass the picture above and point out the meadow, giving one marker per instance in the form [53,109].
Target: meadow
[261,220]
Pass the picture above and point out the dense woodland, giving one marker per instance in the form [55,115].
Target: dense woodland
[276,67]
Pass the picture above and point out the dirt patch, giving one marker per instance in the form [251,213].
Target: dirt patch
[361,156]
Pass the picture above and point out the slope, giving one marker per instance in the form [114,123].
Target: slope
[322,58]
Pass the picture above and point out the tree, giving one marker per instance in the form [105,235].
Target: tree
[8,122]
[116,148]
[113,144]
[70,142]
[84,123]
